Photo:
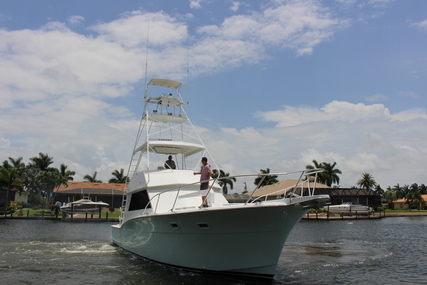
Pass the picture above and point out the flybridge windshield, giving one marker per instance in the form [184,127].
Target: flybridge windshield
[166,100]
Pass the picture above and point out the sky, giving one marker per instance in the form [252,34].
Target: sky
[271,83]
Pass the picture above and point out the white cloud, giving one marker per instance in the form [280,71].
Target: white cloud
[4,143]
[409,94]
[336,110]
[235,6]
[66,105]
[57,61]
[410,115]
[380,3]
[75,20]
[196,4]
[132,28]
[347,3]
[422,25]
[297,25]
[376,97]
[359,138]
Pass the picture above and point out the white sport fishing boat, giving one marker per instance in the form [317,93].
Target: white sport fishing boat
[166,218]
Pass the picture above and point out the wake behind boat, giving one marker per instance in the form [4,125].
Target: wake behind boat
[167,218]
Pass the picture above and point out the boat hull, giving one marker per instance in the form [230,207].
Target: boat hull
[242,240]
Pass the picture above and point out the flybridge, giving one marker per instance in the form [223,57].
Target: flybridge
[165,130]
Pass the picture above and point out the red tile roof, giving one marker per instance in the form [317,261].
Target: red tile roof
[404,200]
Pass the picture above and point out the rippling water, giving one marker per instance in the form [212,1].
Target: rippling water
[387,251]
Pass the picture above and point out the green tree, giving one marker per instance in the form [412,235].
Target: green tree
[379,190]
[423,189]
[367,181]
[418,199]
[9,180]
[50,180]
[399,191]
[223,179]
[42,162]
[92,178]
[329,175]
[65,175]
[390,196]
[263,180]
[119,177]
[18,164]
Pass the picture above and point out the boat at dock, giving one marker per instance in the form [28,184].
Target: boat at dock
[83,206]
[165,216]
[350,208]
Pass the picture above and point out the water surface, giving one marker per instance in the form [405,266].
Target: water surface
[387,251]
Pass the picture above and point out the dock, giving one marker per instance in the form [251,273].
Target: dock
[64,217]
[326,216]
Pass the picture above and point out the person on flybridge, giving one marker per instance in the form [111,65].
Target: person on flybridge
[170,164]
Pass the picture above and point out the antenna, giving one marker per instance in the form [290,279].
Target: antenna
[146,59]
[188,69]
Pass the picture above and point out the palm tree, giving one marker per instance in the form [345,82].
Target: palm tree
[223,179]
[399,191]
[67,174]
[63,178]
[390,196]
[92,178]
[6,164]
[264,180]
[367,181]
[418,199]
[329,175]
[423,189]
[18,164]
[379,190]
[119,177]
[50,180]
[42,162]
[9,180]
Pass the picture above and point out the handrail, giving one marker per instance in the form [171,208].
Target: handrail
[307,173]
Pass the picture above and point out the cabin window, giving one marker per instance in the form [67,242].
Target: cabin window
[174,226]
[139,201]
[203,226]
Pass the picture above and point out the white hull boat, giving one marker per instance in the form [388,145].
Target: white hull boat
[167,218]
[350,208]
[83,206]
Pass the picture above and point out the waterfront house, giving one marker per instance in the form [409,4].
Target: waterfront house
[14,195]
[365,197]
[111,193]
[402,204]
